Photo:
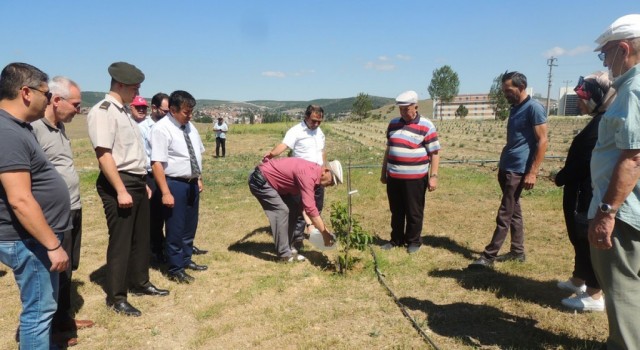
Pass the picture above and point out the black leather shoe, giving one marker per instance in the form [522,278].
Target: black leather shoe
[150,290]
[195,267]
[481,263]
[198,251]
[181,277]
[511,256]
[125,308]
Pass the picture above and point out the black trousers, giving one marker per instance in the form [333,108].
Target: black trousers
[128,249]
[71,242]
[156,223]
[298,232]
[406,201]
[220,142]
[578,229]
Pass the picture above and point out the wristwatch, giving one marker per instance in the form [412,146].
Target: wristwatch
[606,208]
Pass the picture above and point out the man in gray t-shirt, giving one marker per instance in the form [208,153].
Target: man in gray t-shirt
[50,133]
[34,203]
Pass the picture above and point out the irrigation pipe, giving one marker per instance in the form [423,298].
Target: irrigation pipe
[403,308]
[351,192]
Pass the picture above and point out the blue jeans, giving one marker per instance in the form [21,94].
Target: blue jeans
[38,289]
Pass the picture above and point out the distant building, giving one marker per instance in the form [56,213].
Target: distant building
[568,103]
[478,105]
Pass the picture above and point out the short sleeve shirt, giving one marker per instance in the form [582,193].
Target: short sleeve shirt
[619,130]
[306,143]
[21,151]
[221,130]
[57,147]
[111,127]
[168,146]
[294,176]
[145,131]
[517,155]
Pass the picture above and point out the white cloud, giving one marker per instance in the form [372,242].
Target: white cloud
[304,72]
[560,51]
[380,66]
[386,63]
[273,74]
[404,57]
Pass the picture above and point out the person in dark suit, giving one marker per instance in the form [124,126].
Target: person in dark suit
[595,94]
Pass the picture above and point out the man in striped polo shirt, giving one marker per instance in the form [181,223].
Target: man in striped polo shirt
[412,150]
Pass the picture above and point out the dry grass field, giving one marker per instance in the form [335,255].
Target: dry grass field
[246,300]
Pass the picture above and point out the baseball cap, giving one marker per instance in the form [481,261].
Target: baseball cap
[336,171]
[139,101]
[407,98]
[625,27]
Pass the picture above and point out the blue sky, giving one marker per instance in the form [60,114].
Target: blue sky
[302,50]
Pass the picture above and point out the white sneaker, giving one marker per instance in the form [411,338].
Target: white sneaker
[584,302]
[569,286]
[292,259]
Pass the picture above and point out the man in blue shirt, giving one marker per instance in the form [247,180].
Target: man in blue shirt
[519,164]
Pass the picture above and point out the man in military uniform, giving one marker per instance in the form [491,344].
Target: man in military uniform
[123,189]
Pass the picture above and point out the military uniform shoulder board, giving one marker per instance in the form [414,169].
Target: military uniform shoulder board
[105,105]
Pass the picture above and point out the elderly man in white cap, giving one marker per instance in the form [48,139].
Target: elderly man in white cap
[283,186]
[520,161]
[614,230]
[409,168]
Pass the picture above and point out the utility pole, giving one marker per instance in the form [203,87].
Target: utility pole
[566,93]
[551,63]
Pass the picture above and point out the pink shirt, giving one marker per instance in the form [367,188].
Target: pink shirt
[294,176]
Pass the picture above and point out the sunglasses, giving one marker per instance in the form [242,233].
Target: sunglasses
[75,105]
[47,94]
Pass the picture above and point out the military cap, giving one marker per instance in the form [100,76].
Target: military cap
[126,73]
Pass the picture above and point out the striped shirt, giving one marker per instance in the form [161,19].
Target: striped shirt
[410,147]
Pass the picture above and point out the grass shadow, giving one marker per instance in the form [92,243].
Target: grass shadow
[77,301]
[543,293]
[480,326]
[260,250]
[318,259]
[99,277]
[450,245]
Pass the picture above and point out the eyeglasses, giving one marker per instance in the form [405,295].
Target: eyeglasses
[46,94]
[75,105]
[141,108]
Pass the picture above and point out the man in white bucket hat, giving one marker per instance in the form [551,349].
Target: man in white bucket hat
[614,231]
[286,186]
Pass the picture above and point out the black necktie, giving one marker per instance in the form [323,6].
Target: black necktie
[195,170]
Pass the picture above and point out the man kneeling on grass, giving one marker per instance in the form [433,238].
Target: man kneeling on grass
[282,186]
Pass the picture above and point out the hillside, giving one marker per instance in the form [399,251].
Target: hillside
[335,105]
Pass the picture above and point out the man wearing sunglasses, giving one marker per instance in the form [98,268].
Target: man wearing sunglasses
[51,135]
[614,230]
[122,186]
[34,204]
